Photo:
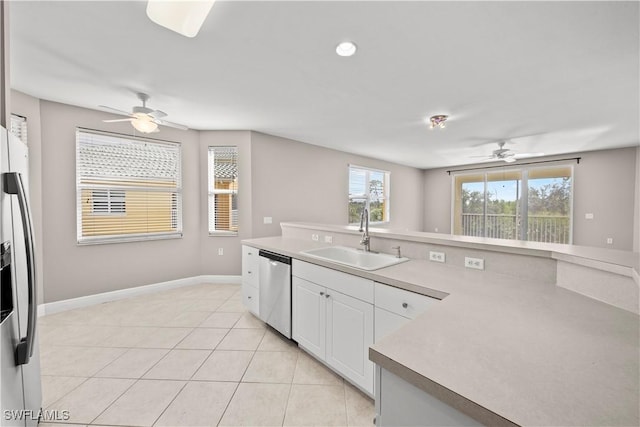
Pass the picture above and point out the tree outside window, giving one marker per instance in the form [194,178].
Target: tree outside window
[368,188]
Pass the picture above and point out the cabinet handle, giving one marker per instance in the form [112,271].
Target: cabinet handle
[249,297]
[405,305]
[321,294]
[327,296]
[248,272]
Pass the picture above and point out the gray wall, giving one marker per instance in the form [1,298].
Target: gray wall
[636,215]
[605,184]
[71,270]
[29,107]
[284,179]
[303,182]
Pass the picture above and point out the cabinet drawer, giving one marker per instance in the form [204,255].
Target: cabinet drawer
[348,284]
[250,266]
[250,297]
[405,303]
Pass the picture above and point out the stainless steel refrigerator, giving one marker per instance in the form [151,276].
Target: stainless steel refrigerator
[21,396]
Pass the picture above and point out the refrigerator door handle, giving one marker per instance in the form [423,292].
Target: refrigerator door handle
[13,185]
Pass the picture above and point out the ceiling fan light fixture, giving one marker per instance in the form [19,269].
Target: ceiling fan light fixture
[142,123]
[183,17]
[437,121]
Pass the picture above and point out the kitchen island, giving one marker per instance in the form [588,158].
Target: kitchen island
[505,350]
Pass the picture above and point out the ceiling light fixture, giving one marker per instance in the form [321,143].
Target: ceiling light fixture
[143,123]
[183,17]
[438,121]
[346,49]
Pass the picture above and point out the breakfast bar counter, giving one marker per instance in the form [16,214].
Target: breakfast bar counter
[506,351]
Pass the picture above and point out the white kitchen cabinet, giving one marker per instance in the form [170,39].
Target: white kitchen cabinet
[387,322]
[309,316]
[250,266]
[335,327]
[250,297]
[395,307]
[250,279]
[349,335]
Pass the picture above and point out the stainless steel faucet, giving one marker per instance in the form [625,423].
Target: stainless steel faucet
[366,240]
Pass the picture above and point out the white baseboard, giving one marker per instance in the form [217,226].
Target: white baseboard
[70,304]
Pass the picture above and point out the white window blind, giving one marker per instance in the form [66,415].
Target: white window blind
[127,188]
[223,190]
[19,127]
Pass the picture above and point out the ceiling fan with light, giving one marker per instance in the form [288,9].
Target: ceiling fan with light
[143,118]
[507,155]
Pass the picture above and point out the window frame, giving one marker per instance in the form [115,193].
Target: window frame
[367,196]
[126,186]
[524,171]
[212,192]
[18,127]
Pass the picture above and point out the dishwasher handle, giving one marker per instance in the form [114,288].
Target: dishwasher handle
[275,257]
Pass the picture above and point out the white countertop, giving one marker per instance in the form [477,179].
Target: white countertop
[534,354]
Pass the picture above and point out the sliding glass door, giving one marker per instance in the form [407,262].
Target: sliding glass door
[519,204]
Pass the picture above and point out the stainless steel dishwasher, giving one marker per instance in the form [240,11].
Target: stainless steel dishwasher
[275,291]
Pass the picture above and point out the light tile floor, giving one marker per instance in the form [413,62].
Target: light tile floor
[191,356]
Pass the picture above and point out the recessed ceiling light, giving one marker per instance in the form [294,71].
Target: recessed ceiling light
[346,49]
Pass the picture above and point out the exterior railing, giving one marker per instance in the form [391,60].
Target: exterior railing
[540,228]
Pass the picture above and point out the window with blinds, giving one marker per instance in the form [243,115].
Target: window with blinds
[223,191]
[128,188]
[18,127]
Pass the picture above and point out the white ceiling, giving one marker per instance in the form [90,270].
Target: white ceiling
[565,72]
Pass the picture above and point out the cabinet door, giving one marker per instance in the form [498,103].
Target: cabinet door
[349,335]
[387,322]
[250,266]
[309,316]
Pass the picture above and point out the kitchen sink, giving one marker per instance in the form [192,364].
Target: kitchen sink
[356,258]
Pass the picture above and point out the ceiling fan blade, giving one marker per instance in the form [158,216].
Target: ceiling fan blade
[527,155]
[115,110]
[157,114]
[118,120]
[171,124]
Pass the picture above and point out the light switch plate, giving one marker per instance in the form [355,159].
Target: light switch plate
[267,220]
[588,216]
[328,239]
[315,237]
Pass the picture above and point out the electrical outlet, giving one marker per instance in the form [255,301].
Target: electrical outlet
[436,256]
[475,263]
[315,237]
[267,220]
[220,251]
[328,239]
[609,240]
